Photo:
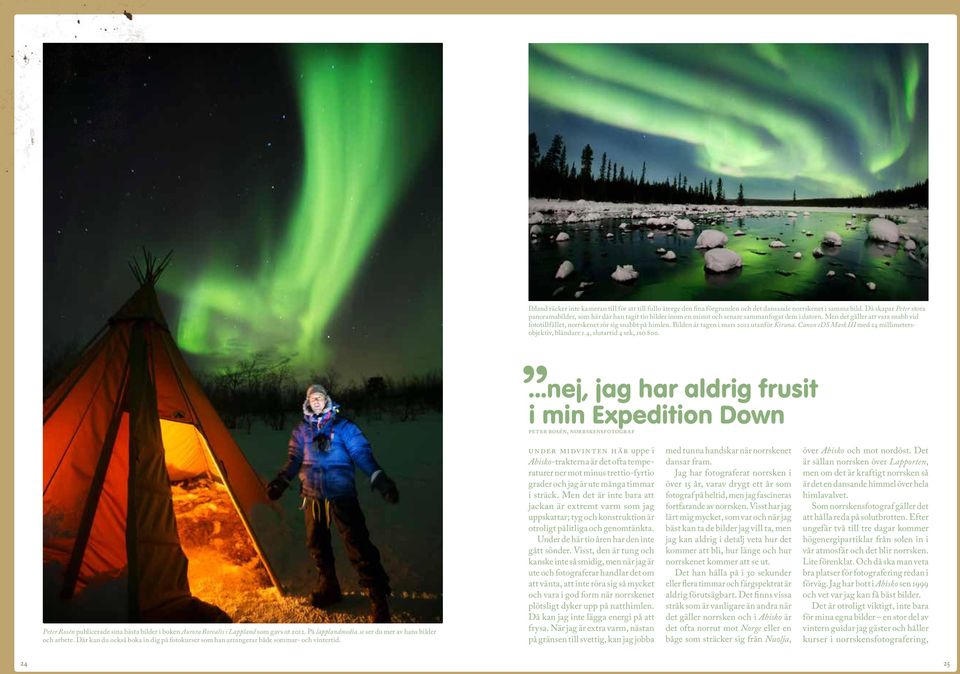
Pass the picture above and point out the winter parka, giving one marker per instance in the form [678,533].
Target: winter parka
[324,448]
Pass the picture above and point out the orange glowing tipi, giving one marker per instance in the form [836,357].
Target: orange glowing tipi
[129,418]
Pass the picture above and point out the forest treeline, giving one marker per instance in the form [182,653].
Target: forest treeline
[555,175]
[263,388]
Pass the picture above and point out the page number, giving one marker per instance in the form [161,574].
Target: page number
[946,664]
[23,663]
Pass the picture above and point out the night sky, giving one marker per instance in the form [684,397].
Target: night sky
[299,187]
[824,120]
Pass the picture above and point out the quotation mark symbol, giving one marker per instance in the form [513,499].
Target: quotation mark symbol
[531,372]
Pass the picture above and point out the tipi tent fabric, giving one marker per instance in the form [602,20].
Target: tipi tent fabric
[128,419]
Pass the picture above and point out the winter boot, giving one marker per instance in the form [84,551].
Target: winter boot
[327,591]
[379,608]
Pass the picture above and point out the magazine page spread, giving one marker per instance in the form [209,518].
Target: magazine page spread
[335,378]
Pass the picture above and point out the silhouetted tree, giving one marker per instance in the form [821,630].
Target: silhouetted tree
[586,169]
[740,196]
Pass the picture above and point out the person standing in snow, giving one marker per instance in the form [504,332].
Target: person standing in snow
[325,448]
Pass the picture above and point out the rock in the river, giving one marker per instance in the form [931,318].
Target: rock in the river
[566,268]
[563,236]
[832,239]
[817,252]
[797,255]
[721,259]
[669,256]
[881,229]
[711,238]
[624,274]
[776,243]
[871,285]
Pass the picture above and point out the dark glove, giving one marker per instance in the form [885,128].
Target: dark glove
[277,486]
[386,487]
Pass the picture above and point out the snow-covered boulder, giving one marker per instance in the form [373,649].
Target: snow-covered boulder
[535,219]
[832,239]
[624,225]
[578,294]
[711,238]
[909,245]
[797,255]
[777,243]
[573,217]
[610,235]
[562,236]
[721,259]
[831,274]
[649,235]
[817,252]
[669,256]
[871,285]
[624,274]
[881,229]
[566,268]
[791,214]
[536,231]
[739,233]
[850,274]
[684,225]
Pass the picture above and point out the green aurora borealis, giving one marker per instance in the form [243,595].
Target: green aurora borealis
[826,120]
[365,129]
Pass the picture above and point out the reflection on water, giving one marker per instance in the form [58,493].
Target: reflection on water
[596,248]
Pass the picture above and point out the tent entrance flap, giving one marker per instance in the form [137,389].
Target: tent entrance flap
[189,460]
[186,451]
